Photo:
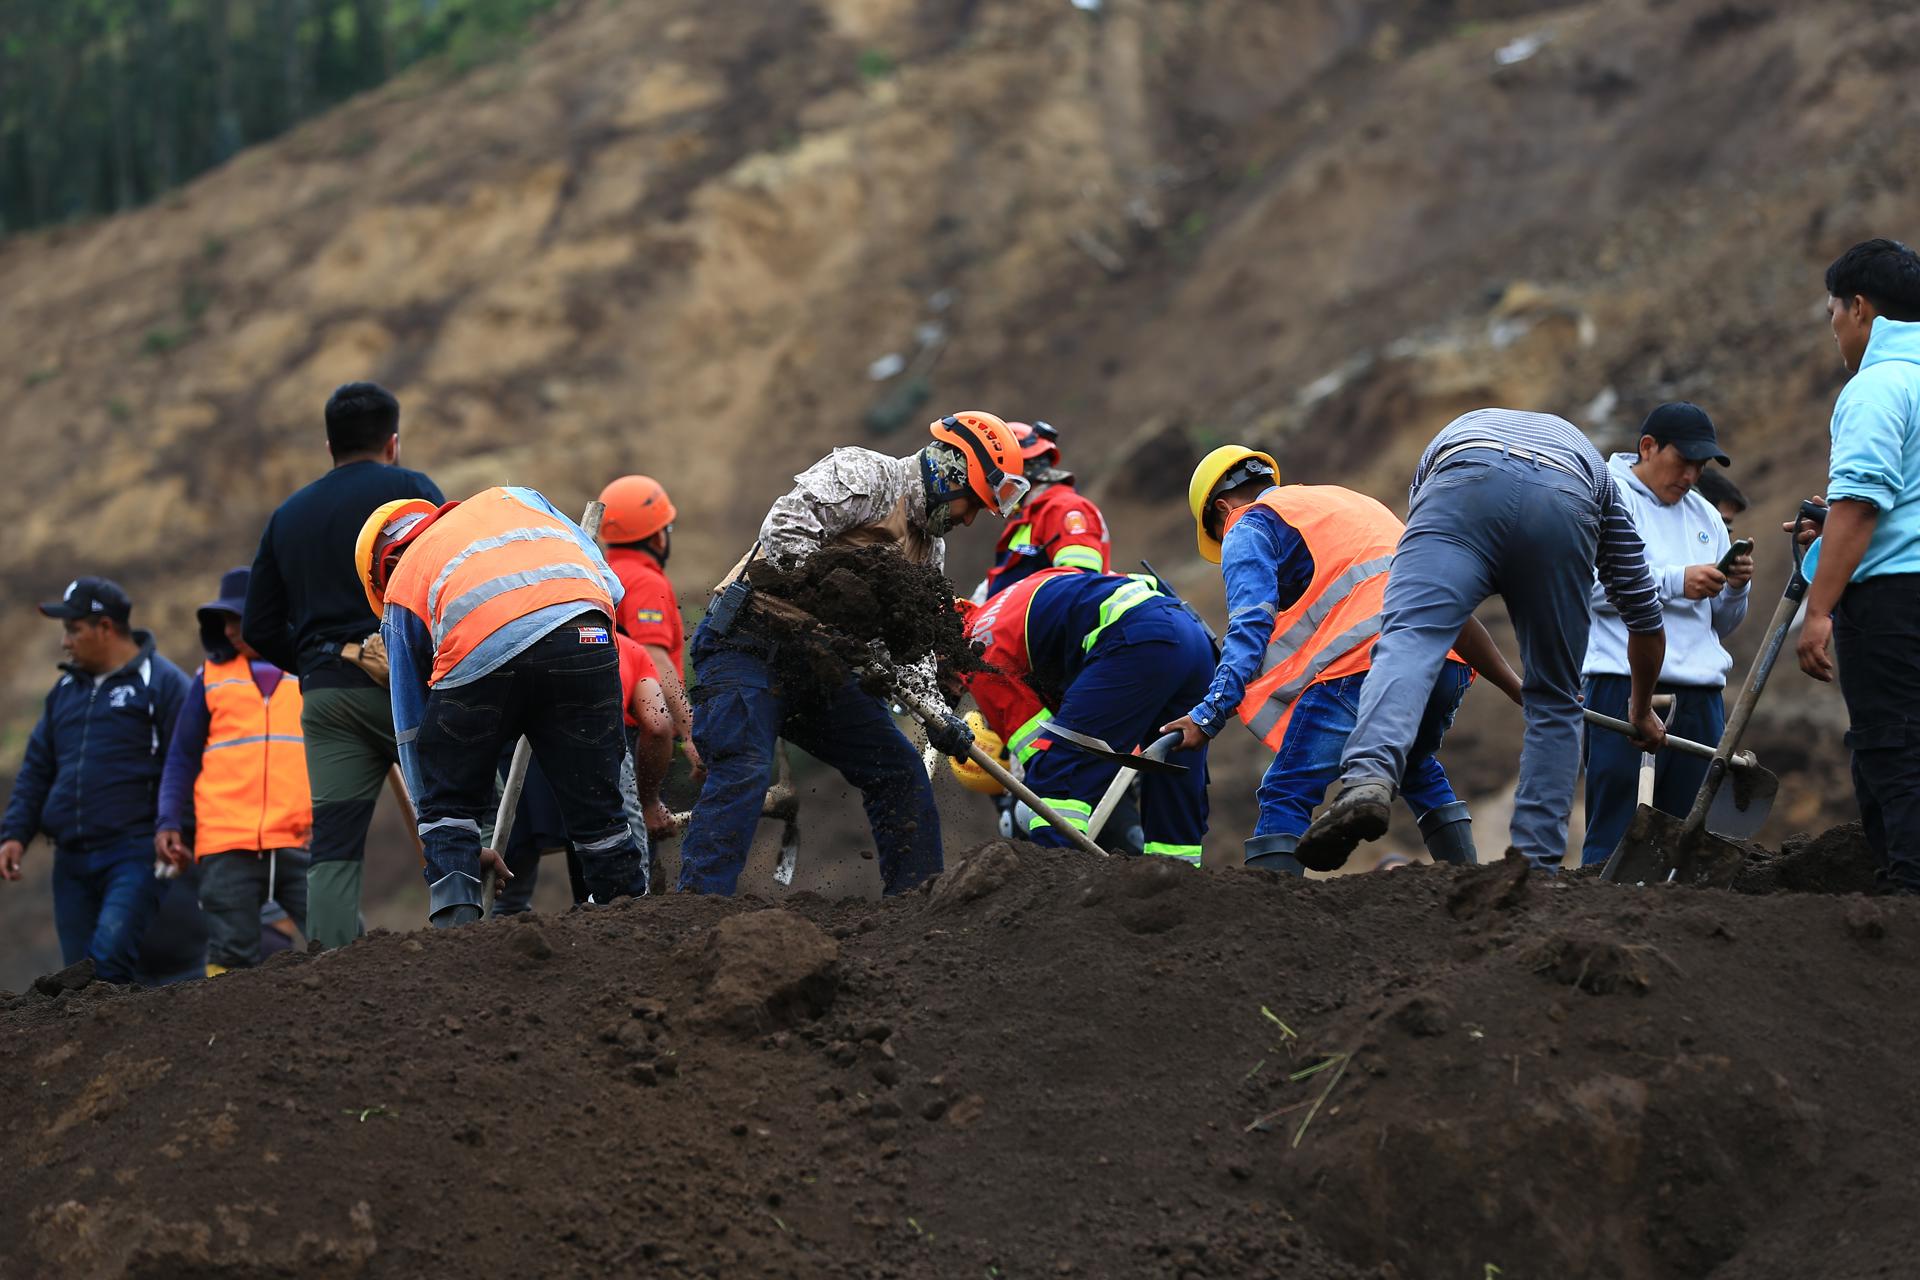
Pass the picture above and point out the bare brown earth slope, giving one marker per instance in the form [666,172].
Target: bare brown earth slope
[673,236]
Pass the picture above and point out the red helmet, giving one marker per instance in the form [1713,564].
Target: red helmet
[993,457]
[1038,440]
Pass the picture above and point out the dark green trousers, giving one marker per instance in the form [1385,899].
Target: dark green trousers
[350,748]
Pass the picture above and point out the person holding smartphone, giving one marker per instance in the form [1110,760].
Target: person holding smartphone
[1702,576]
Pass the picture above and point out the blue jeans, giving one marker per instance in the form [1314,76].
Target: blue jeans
[563,695]
[1487,524]
[103,901]
[1613,763]
[1147,670]
[738,715]
[1308,761]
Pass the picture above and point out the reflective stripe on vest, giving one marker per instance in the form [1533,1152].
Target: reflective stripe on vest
[251,792]
[1329,631]
[485,564]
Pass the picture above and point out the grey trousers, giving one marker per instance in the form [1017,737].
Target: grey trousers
[1488,524]
[234,886]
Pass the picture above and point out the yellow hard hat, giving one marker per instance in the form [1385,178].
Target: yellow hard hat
[971,775]
[391,526]
[1207,477]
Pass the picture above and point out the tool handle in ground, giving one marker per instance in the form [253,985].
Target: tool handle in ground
[931,716]
[1024,794]
[1742,760]
[1749,696]
[523,756]
[1102,812]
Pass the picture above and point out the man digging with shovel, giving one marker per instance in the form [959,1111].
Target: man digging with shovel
[1522,505]
[852,497]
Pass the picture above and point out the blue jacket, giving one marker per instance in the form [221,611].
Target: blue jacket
[92,769]
[1876,447]
[1267,567]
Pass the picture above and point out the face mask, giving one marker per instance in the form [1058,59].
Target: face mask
[940,519]
[666,546]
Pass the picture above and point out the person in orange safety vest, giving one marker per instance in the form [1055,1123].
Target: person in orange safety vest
[497,614]
[1305,569]
[235,783]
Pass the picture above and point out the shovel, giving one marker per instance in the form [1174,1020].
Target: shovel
[1158,752]
[1738,811]
[1147,763]
[1659,848]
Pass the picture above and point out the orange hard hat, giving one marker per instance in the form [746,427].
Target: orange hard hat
[637,508]
[1037,440]
[993,457]
[384,536]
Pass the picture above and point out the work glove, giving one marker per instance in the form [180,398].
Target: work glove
[950,736]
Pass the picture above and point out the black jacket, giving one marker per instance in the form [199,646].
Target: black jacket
[304,600]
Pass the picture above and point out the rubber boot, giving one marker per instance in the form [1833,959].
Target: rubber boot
[1448,832]
[1275,853]
[453,899]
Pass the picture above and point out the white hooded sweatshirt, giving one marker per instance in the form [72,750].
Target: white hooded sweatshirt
[1688,532]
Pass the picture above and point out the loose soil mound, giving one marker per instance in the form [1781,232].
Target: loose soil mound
[1836,861]
[1040,1064]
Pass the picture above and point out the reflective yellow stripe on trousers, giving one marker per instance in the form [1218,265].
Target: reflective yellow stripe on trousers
[1184,852]
[1077,813]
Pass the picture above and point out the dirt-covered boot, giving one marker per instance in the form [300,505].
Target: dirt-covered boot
[1358,813]
[1448,832]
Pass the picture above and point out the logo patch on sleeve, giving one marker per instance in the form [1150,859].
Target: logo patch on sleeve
[648,615]
[1076,522]
[594,635]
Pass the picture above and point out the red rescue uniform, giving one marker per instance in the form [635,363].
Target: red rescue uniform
[1056,528]
[649,612]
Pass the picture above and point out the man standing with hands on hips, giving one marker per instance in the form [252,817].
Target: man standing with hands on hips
[1686,540]
[1865,596]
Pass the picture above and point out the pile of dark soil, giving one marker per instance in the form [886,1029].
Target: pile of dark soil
[1038,1065]
[861,594]
[1836,861]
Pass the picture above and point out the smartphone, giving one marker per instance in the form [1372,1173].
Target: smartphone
[1740,547]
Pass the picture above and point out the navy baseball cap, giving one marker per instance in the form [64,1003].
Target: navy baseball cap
[91,598]
[1687,428]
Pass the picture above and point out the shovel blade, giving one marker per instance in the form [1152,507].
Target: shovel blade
[1741,806]
[1101,748]
[789,858]
[1653,852]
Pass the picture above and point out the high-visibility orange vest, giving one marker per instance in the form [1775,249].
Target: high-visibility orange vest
[488,561]
[252,789]
[1329,631]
